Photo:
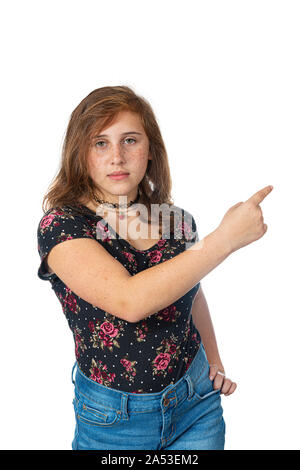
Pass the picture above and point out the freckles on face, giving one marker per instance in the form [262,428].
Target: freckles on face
[134,159]
[137,162]
[138,157]
[95,166]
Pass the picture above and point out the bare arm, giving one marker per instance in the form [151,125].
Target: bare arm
[174,278]
[97,277]
[203,323]
[241,225]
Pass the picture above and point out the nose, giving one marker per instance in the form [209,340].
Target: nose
[117,155]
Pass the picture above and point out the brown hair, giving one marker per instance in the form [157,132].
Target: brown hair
[96,111]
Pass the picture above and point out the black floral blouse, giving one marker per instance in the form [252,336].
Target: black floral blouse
[141,357]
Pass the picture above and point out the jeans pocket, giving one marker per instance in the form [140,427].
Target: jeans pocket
[203,387]
[96,414]
[208,394]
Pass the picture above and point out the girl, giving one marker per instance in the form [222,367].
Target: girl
[126,264]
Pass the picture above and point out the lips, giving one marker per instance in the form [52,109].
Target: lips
[117,173]
[118,176]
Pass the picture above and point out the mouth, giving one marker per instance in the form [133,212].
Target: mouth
[118,176]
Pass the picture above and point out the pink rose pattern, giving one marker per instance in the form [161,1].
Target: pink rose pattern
[103,232]
[166,354]
[105,334]
[141,331]
[53,222]
[130,371]
[68,302]
[98,334]
[99,373]
[168,314]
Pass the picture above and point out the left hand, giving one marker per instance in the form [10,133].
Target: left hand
[221,381]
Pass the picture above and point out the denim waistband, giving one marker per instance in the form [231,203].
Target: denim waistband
[118,399]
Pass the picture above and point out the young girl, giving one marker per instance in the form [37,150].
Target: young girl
[126,264]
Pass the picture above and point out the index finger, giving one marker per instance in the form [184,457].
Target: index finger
[260,195]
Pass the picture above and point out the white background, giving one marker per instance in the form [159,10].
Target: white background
[223,80]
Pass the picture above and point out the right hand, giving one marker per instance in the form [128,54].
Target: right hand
[243,223]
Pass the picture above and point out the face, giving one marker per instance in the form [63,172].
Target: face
[123,146]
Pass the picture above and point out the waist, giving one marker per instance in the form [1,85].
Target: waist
[114,399]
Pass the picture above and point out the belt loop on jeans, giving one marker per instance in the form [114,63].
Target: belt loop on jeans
[73,372]
[190,387]
[124,400]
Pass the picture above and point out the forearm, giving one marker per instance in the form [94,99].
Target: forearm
[203,323]
[173,278]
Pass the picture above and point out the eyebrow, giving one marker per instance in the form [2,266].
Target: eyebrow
[124,133]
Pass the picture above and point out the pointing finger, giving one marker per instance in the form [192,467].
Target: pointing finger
[258,197]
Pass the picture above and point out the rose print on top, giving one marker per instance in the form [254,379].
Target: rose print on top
[107,347]
[187,231]
[162,361]
[188,359]
[132,263]
[100,375]
[103,232]
[69,302]
[161,243]
[167,351]
[155,256]
[141,331]
[184,231]
[130,370]
[79,342]
[60,238]
[53,223]
[195,338]
[105,334]
[169,314]
[48,219]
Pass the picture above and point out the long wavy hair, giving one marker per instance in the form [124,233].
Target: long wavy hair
[95,112]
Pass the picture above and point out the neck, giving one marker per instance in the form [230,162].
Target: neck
[123,202]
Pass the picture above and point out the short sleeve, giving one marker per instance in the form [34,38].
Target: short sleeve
[56,226]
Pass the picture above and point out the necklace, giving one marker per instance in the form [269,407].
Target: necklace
[114,205]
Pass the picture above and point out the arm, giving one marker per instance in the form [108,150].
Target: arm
[97,277]
[203,323]
[175,277]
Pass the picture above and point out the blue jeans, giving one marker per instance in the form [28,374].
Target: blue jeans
[186,415]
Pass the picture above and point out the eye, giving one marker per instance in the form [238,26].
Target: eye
[129,138]
[100,142]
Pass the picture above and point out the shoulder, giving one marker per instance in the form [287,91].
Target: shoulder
[60,214]
[51,214]
[64,222]
[60,224]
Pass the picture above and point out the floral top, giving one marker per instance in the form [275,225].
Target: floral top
[141,357]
